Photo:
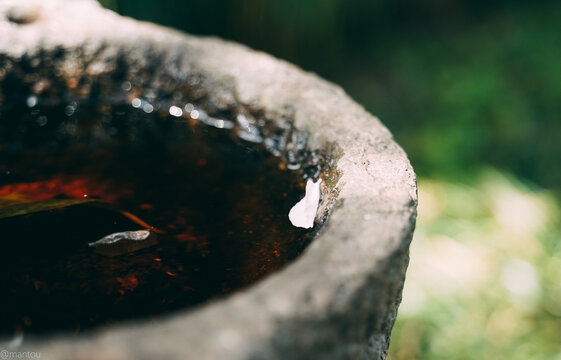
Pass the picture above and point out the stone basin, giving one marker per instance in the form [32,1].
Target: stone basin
[338,299]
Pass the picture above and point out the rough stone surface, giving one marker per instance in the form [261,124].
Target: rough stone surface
[336,301]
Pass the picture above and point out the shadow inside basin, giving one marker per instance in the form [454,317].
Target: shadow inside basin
[216,208]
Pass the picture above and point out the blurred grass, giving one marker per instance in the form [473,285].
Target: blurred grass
[472,91]
[484,278]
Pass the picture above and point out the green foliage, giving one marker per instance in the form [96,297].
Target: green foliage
[488,94]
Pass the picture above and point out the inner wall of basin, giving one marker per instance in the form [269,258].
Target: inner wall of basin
[213,204]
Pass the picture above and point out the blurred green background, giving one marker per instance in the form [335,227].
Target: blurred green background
[472,91]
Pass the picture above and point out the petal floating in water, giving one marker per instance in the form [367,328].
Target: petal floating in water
[124,242]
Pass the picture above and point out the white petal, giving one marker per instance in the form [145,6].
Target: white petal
[304,212]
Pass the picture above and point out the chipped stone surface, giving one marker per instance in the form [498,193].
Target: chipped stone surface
[339,299]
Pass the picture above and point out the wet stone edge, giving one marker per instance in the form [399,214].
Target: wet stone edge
[104,76]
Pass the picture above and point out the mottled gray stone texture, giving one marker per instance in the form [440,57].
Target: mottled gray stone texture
[339,299]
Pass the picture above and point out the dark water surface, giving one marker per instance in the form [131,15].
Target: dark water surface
[217,209]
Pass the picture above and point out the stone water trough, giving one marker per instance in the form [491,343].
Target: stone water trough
[340,297]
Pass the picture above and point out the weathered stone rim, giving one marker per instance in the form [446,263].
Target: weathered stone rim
[339,299]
